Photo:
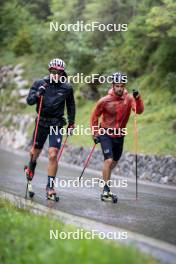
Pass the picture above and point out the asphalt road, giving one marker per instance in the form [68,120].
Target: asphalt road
[153,214]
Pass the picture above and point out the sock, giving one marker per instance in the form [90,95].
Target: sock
[106,188]
[32,165]
[50,183]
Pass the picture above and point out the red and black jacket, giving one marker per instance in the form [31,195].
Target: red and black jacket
[115,110]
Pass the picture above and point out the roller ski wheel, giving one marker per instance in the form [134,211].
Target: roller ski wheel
[29,192]
[109,196]
[51,195]
[29,175]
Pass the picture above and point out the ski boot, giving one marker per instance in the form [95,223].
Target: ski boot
[29,176]
[107,195]
[51,194]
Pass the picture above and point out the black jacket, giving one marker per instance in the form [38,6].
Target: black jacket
[55,97]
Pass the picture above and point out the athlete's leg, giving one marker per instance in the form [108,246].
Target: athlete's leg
[53,164]
[114,164]
[106,145]
[55,141]
[107,169]
[117,149]
[36,150]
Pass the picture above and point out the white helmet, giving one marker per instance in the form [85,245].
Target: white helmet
[56,64]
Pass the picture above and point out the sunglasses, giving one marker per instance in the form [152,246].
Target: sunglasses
[60,72]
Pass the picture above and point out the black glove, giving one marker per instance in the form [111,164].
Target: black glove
[96,140]
[41,91]
[70,129]
[135,94]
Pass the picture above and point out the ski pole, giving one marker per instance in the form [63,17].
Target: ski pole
[136,148]
[35,136]
[37,124]
[87,161]
[62,148]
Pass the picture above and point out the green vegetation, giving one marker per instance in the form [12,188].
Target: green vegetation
[25,239]
[146,52]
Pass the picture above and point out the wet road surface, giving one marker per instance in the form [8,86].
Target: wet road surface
[153,214]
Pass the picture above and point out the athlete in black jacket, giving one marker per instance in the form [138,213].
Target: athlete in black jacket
[55,96]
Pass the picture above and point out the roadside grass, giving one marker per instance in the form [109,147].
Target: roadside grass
[25,239]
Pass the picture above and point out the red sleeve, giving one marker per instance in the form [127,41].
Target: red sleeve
[95,116]
[138,104]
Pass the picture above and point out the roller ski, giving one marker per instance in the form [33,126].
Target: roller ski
[107,195]
[29,175]
[51,194]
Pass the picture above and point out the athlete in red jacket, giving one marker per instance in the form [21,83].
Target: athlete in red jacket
[114,110]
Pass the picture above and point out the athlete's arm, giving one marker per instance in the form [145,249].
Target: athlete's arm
[138,104]
[32,97]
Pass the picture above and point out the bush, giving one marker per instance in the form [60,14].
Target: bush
[22,43]
[170,83]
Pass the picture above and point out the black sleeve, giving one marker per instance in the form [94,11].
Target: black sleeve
[32,97]
[70,103]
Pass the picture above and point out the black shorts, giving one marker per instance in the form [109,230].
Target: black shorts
[112,148]
[55,139]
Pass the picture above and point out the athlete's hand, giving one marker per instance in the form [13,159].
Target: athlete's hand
[41,91]
[136,94]
[96,139]
[70,129]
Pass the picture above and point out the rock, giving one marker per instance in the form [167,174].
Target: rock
[21,84]
[14,93]
[16,135]
[145,177]
[22,101]
[164,180]
[18,70]
[10,75]
[23,92]
[17,79]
